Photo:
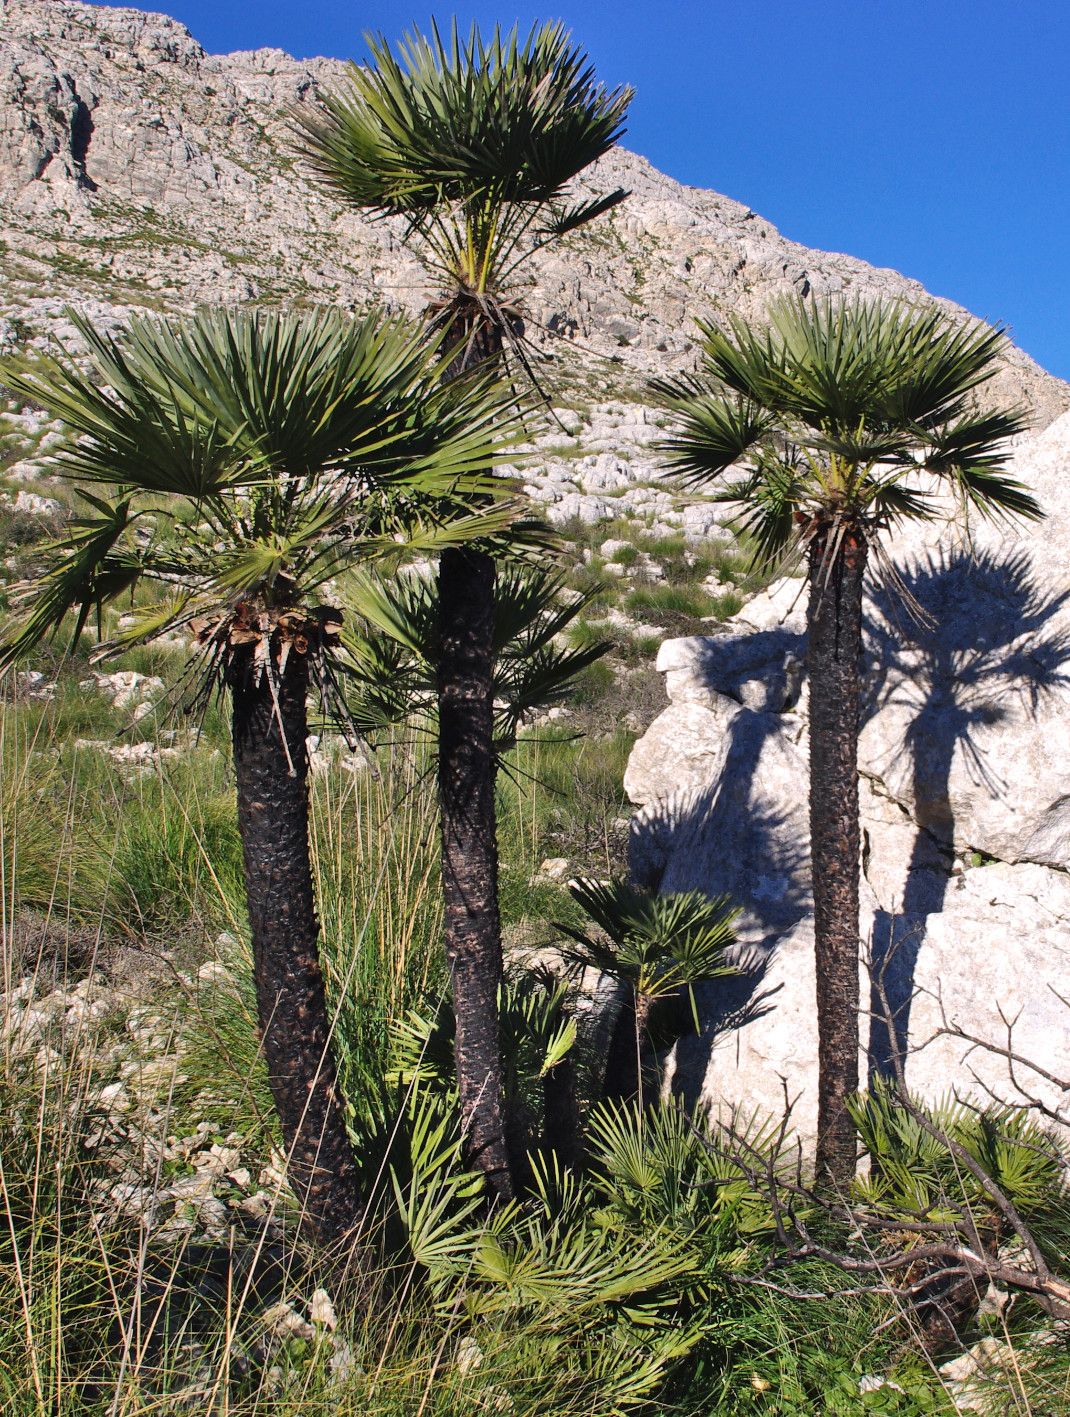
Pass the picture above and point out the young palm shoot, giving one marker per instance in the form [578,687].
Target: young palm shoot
[476,143]
[238,462]
[658,947]
[830,426]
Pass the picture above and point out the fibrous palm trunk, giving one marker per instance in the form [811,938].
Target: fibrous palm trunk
[837,567]
[470,853]
[466,773]
[271,768]
[629,1055]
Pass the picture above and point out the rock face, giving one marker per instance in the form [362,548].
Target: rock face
[965,799]
[139,172]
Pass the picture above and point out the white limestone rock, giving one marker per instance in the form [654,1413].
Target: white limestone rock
[574,506]
[996,951]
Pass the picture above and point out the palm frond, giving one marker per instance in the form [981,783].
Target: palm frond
[890,499]
[970,454]
[831,406]
[770,503]
[436,1196]
[745,360]
[713,433]
[917,1171]
[533,669]
[572,218]
[531,683]
[454,120]
[469,137]
[937,366]
[657,943]
[85,569]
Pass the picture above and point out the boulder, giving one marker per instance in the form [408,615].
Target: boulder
[964,762]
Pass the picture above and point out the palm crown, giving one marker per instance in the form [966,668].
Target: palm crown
[240,460]
[656,943]
[474,140]
[832,411]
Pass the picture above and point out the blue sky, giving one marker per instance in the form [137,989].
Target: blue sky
[928,135]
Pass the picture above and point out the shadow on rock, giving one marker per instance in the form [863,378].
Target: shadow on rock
[960,640]
[745,835]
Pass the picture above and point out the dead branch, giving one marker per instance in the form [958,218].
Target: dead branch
[947,1258]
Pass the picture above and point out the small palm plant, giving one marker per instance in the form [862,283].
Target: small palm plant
[476,144]
[658,947]
[951,1171]
[395,648]
[840,421]
[235,463]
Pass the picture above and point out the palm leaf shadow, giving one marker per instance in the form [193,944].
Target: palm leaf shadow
[732,837]
[989,637]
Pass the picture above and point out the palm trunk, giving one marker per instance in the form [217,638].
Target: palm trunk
[466,773]
[291,1003]
[628,1052]
[833,660]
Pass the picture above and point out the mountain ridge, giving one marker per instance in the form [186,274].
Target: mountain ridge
[139,171]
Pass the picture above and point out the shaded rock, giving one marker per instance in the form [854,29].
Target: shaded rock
[965,810]
[952,969]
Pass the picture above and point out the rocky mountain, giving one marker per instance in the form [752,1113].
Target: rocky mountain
[139,172]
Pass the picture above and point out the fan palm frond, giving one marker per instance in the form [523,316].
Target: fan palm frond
[470,138]
[537,1032]
[915,1168]
[970,454]
[833,408]
[259,455]
[393,643]
[715,431]
[655,1165]
[563,221]
[85,570]
[656,943]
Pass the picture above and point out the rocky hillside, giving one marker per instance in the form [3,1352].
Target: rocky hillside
[137,171]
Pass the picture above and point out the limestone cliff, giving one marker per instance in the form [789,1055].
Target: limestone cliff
[138,171]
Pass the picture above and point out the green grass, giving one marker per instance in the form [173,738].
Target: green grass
[668,604]
[560,795]
[729,603]
[96,1317]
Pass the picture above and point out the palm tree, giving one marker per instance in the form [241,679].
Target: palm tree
[658,948]
[475,143]
[841,420]
[238,462]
